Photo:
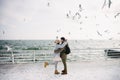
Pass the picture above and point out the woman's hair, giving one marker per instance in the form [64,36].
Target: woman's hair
[58,43]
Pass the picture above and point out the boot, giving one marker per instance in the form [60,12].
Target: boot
[64,73]
[63,70]
[46,64]
[56,72]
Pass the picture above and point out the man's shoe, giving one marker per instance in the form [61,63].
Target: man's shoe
[64,73]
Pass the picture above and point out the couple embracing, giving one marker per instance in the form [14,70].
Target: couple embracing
[60,53]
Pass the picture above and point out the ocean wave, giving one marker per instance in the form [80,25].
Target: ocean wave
[36,48]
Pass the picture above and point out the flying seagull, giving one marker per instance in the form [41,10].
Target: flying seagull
[117,15]
[58,30]
[24,19]
[56,37]
[48,4]
[69,33]
[110,38]
[109,3]
[80,28]
[8,48]
[67,15]
[80,7]
[3,32]
[105,3]
[81,22]
[99,33]
[78,14]
[118,33]
[106,31]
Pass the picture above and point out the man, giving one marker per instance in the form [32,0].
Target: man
[58,48]
[63,56]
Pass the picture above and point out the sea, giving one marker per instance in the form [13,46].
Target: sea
[49,44]
[80,49]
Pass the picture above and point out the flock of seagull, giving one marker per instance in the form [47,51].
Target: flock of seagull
[78,16]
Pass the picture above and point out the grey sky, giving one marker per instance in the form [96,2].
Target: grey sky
[35,19]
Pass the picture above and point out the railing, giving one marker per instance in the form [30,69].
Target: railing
[24,57]
[34,56]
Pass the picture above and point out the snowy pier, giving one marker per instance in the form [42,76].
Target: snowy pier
[82,65]
[80,70]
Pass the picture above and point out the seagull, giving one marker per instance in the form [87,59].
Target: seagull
[106,31]
[110,38]
[58,30]
[80,7]
[69,33]
[118,44]
[67,15]
[8,48]
[69,12]
[99,33]
[24,19]
[79,16]
[48,4]
[3,32]
[86,17]
[105,3]
[73,17]
[97,24]
[76,41]
[80,28]
[118,33]
[81,22]
[117,15]
[109,3]
[56,37]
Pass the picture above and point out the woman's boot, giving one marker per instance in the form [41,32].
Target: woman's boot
[46,64]
[56,72]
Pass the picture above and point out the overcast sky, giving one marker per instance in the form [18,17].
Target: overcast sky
[46,19]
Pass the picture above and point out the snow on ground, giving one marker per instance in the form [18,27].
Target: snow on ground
[82,70]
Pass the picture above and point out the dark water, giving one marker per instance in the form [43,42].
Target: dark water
[49,44]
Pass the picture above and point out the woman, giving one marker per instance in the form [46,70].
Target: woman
[56,56]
